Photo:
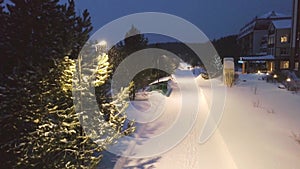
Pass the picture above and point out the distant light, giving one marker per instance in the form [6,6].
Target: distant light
[259,72]
[288,79]
[101,46]
[284,39]
[102,43]
[268,74]
[275,76]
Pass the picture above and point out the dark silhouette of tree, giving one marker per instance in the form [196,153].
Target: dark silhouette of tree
[182,51]
[36,32]
[227,46]
[39,125]
[133,42]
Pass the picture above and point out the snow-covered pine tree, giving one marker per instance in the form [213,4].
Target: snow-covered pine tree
[215,68]
[48,132]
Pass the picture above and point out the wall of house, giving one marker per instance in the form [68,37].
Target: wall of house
[246,44]
[296,35]
[257,39]
[283,48]
[271,44]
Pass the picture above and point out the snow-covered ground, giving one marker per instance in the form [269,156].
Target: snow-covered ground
[256,132]
[258,128]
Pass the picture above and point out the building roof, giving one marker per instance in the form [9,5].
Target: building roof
[257,58]
[273,15]
[262,22]
[282,24]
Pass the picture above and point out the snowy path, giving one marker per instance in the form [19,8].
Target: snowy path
[248,137]
[189,154]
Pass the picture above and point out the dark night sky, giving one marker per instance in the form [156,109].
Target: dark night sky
[216,18]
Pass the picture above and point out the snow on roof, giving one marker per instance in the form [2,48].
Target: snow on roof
[247,29]
[256,58]
[163,79]
[256,22]
[282,24]
[272,14]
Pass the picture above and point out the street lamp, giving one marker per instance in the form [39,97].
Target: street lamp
[288,80]
[275,77]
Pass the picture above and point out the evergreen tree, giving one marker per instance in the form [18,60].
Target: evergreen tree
[216,66]
[227,46]
[3,29]
[133,42]
[39,125]
[37,32]
[44,131]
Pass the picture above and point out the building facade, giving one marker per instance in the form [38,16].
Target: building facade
[267,38]
[279,43]
[295,44]
[253,33]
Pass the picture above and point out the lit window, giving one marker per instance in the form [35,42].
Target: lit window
[284,39]
[297,66]
[284,64]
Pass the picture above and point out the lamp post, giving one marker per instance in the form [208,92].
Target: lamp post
[288,81]
[275,77]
